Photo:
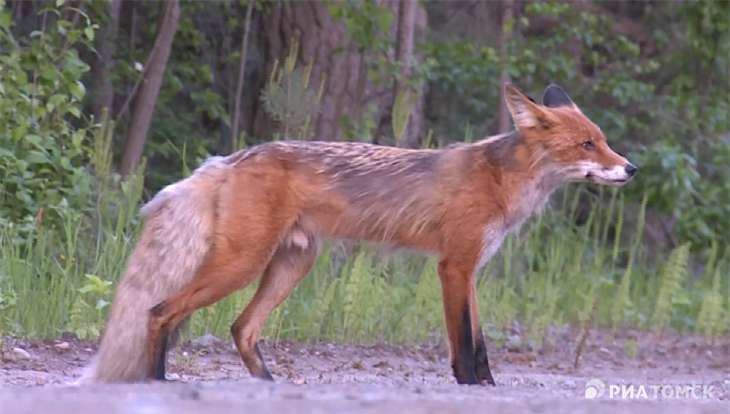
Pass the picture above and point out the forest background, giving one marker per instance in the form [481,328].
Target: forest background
[102,103]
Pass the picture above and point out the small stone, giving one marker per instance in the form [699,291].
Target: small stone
[569,383]
[205,340]
[62,345]
[190,394]
[21,353]
[69,336]
[514,342]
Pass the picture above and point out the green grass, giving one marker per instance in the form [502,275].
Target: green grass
[548,276]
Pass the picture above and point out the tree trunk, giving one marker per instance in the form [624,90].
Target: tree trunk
[153,73]
[404,49]
[235,128]
[102,90]
[335,57]
[505,124]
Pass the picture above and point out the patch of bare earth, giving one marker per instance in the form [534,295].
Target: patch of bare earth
[385,379]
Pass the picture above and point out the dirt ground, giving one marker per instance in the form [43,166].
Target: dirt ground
[383,379]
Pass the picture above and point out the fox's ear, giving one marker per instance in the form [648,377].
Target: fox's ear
[526,114]
[554,96]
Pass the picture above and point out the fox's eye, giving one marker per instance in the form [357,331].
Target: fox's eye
[588,145]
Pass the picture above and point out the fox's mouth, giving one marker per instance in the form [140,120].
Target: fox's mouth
[601,180]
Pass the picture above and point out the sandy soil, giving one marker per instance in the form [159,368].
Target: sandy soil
[319,378]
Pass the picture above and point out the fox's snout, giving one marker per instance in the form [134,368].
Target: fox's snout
[616,175]
[630,169]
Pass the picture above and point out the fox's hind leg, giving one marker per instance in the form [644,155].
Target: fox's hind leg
[240,254]
[290,264]
[170,341]
[223,274]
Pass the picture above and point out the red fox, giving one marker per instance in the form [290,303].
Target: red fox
[265,210]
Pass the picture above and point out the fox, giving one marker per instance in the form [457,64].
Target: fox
[265,211]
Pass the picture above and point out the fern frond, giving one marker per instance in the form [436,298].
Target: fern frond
[671,278]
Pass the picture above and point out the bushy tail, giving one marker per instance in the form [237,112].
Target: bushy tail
[180,222]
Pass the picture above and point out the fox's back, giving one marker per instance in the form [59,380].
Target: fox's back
[380,192]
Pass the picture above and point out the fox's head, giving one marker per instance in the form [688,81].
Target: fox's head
[572,143]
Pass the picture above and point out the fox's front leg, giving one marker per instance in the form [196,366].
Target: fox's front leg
[484,374]
[457,284]
[456,270]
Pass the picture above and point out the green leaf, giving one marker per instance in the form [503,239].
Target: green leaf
[5,20]
[37,157]
[86,289]
[5,153]
[89,32]
[33,139]
[48,72]
[77,90]
[57,99]
[681,298]
[19,131]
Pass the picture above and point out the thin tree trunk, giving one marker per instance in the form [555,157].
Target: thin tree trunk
[101,68]
[505,124]
[154,73]
[404,50]
[241,72]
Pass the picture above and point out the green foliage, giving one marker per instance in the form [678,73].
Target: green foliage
[689,166]
[402,108]
[288,98]
[66,273]
[672,274]
[191,110]
[710,321]
[42,154]
[623,306]
[97,290]
[368,28]
[368,23]
[465,79]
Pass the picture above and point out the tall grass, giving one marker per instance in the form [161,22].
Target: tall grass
[549,276]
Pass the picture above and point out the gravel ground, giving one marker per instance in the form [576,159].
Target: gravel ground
[383,379]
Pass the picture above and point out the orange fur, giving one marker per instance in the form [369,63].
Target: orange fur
[265,210]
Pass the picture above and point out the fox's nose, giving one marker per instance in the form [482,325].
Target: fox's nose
[630,169]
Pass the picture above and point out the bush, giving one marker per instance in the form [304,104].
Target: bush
[42,154]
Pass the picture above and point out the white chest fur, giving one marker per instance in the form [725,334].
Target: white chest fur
[532,199]
[492,239]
